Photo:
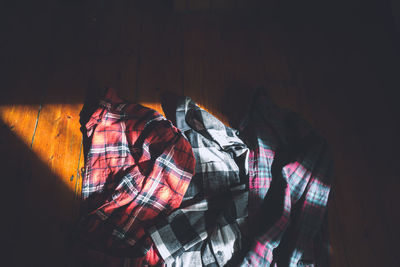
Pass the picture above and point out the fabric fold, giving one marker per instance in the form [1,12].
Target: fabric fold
[289,182]
[138,168]
[205,230]
[202,193]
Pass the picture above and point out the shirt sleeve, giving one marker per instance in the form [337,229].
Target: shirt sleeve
[207,232]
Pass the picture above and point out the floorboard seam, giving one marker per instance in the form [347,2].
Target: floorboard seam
[36,124]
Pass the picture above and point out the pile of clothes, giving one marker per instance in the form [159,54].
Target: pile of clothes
[200,193]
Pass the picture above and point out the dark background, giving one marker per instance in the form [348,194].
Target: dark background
[335,62]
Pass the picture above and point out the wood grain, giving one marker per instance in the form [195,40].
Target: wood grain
[341,75]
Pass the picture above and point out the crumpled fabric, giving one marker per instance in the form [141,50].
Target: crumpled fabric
[258,197]
[206,229]
[137,169]
[289,182]
[287,166]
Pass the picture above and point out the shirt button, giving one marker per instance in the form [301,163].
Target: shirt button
[220,256]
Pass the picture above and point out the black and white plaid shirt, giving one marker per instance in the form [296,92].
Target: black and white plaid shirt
[206,229]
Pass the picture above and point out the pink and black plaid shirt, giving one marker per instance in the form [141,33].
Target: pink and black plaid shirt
[289,183]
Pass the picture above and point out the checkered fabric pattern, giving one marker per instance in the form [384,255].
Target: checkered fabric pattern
[289,184]
[138,168]
[206,229]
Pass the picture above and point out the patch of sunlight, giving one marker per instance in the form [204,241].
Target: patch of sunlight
[53,135]
[20,119]
[155,106]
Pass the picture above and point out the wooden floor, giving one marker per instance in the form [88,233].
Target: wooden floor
[335,64]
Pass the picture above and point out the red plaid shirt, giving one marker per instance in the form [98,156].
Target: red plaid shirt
[137,168]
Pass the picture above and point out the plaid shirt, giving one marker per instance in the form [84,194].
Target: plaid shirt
[287,167]
[138,168]
[289,183]
[206,229]
[288,178]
